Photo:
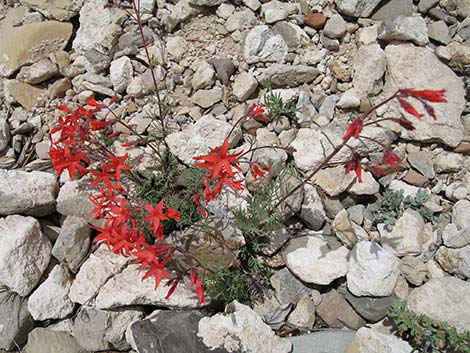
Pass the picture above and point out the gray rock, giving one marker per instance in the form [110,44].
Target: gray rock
[329,43]
[168,332]
[335,27]
[316,263]
[288,288]
[459,56]
[98,32]
[94,273]
[16,320]
[407,236]
[284,75]
[244,86]
[369,68]
[331,341]
[274,11]
[303,314]
[443,299]
[370,308]
[180,13]
[224,69]
[206,98]
[368,186]
[411,66]
[240,329]
[463,8]
[293,35]
[439,32]
[425,5]
[460,214]
[312,212]
[455,261]
[4,134]
[240,20]
[207,2]
[327,108]
[50,300]
[43,340]
[439,14]
[73,242]
[126,288]
[97,330]
[373,271]
[24,254]
[455,238]
[422,162]
[205,134]
[356,8]
[392,9]
[346,231]
[448,162]
[225,10]
[120,73]
[371,341]
[274,158]
[261,45]
[413,269]
[404,28]
[337,312]
[334,180]
[463,29]
[349,99]
[38,72]
[29,193]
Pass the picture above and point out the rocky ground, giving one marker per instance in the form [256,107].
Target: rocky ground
[340,269]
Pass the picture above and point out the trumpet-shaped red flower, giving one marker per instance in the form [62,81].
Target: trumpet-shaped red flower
[405,123]
[123,240]
[150,258]
[199,287]
[67,159]
[391,158]
[218,162]
[257,112]
[437,96]
[409,108]
[354,129]
[355,165]
[158,214]
[258,171]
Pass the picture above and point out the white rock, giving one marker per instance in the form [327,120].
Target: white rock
[368,186]
[460,214]
[315,264]
[127,288]
[253,5]
[357,8]
[95,271]
[448,162]
[455,261]
[240,20]
[349,99]
[206,98]
[176,47]
[240,329]
[371,341]
[411,66]
[312,212]
[275,158]
[335,27]
[443,299]
[407,236]
[334,180]
[373,271]
[120,73]
[205,134]
[347,231]
[261,45]
[404,28]
[50,300]
[4,134]
[38,72]
[369,69]
[244,86]
[225,10]
[30,193]
[24,254]
[204,76]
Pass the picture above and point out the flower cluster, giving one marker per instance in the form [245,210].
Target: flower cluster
[389,157]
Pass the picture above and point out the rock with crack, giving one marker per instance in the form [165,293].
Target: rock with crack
[356,8]
[403,28]
[262,45]
[240,329]
[16,320]
[369,341]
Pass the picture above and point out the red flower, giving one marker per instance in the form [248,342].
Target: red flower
[391,158]
[405,123]
[409,108]
[121,240]
[149,258]
[172,283]
[259,172]
[354,129]
[64,159]
[355,164]
[437,96]
[377,170]
[116,166]
[219,162]
[199,287]
[158,214]
[256,112]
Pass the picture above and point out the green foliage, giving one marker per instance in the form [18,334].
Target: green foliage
[275,105]
[393,203]
[421,331]
[228,285]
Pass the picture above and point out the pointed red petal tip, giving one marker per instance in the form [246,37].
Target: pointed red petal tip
[354,129]
[436,96]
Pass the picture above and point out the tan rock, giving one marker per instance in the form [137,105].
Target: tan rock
[315,20]
[60,10]
[29,43]
[26,95]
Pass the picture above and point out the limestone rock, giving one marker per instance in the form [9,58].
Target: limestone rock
[205,134]
[404,28]
[38,72]
[120,73]
[369,68]
[284,75]
[312,212]
[206,98]
[293,35]
[443,299]
[373,271]
[24,94]
[261,45]
[30,42]
[60,10]
[316,263]
[334,180]
[357,8]
[244,86]
[16,320]
[126,288]
[204,76]
[50,300]
[411,66]
[24,254]
[335,27]
[240,329]
[5,134]
[455,261]
[371,341]
[337,312]
[44,340]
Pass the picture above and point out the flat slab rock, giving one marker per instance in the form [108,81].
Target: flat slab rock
[28,193]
